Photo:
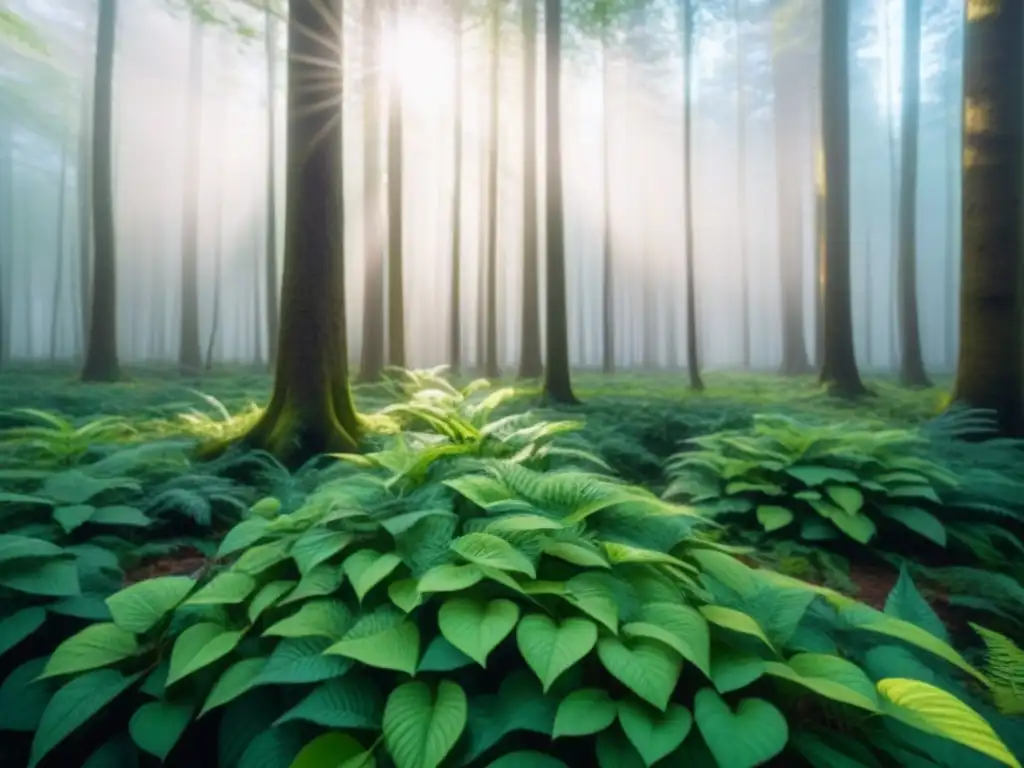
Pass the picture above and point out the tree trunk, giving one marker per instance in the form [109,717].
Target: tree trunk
[58,282]
[951,124]
[531,364]
[492,369]
[607,255]
[257,300]
[692,353]
[869,325]
[839,364]
[101,362]
[190,357]
[6,234]
[311,409]
[741,185]
[83,189]
[218,248]
[912,371]
[989,370]
[557,379]
[270,264]
[788,111]
[455,317]
[372,354]
[892,309]
[396,297]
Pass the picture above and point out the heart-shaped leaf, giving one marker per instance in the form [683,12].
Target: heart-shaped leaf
[648,668]
[583,712]
[654,734]
[752,735]
[550,648]
[421,726]
[476,627]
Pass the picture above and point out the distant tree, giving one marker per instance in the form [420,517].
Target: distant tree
[455,299]
[190,356]
[396,282]
[531,366]
[101,363]
[6,232]
[311,409]
[990,367]
[557,379]
[741,181]
[58,276]
[491,366]
[912,371]
[270,261]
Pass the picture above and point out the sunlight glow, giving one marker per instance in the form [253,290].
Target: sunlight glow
[421,52]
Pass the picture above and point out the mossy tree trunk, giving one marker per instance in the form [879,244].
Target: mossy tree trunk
[311,409]
[989,369]
[839,364]
[101,363]
[371,361]
[912,371]
[190,356]
[492,368]
[692,351]
[396,282]
[270,260]
[557,379]
[455,297]
[531,364]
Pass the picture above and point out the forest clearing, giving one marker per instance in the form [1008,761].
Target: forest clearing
[507,384]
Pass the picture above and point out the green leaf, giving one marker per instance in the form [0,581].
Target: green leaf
[18,547]
[523,523]
[352,701]
[550,647]
[98,645]
[678,626]
[118,752]
[321,580]
[53,578]
[267,598]
[73,705]
[935,711]
[649,669]
[385,639]
[199,646]
[334,750]
[317,618]
[732,670]
[860,528]
[905,602]
[527,759]
[120,515]
[829,676]
[847,498]
[256,560]
[737,621]
[235,680]
[593,592]
[20,625]
[317,545]
[421,726]
[72,517]
[141,606]
[442,656]
[243,535]
[920,521]
[157,726]
[817,475]
[575,553]
[273,748]
[450,578]
[489,550]
[477,627]
[752,735]
[227,588]
[654,734]
[23,696]
[773,517]
[367,568]
[405,594]
[300,660]
[584,712]
[914,492]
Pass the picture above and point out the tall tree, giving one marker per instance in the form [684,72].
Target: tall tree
[912,371]
[83,186]
[839,364]
[396,282]
[607,245]
[311,409]
[6,233]
[741,182]
[58,280]
[372,355]
[491,367]
[455,313]
[190,356]
[692,353]
[531,365]
[557,379]
[989,371]
[101,363]
[270,262]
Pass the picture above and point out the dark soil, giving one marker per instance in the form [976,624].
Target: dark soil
[186,561]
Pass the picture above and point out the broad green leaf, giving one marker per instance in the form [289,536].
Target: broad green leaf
[300,660]
[527,759]
[442,656]
[828,676]
[73,705]
[819,475]
[405,595]
[385,639]
[584,712]
[320,581]
[576,554]
[227,588]
[477,627]
[680,627]
[860,528]
[935,711]
[334,750]
[23,696]
[267,507]
[654,734]
[273,748]
[20,625]
[550,647]
[157,726]
[593,592]
[243,535]
[267,598]
[752,735]
[233,682]
[120,515]
[773,517]
[482,490]
[118,752]
[732,670]
[51,578]
[450,578]
[255,560]
[421,726]
[490,550]
[199,646]
[367,568]
[737,621]
[73,516]
[521,523]
[141,606]
[318,545]
[317,618]
[14,547]
[349,702]
[98,645]
[846,497]
[649,669]
[614,750]
[905,602]
[920,521]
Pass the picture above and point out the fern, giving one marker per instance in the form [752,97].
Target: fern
[1004,666]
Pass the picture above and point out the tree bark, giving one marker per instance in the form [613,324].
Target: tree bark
[455,316]
[912,371]
[531,364]
[58,282]
[557,379]
[101,363]
[372,354]
[741,185]
[839,365]
[396,283]
[83,188]
[492,369]
[311,409]
[692,351]
[607,254]
[270,263]
[989,369]
[190,356]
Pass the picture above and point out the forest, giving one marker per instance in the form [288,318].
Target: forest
[511,384]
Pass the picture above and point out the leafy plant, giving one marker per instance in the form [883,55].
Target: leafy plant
[1004,665]
[52,439]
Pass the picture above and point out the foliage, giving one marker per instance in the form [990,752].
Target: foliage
[1004,666]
